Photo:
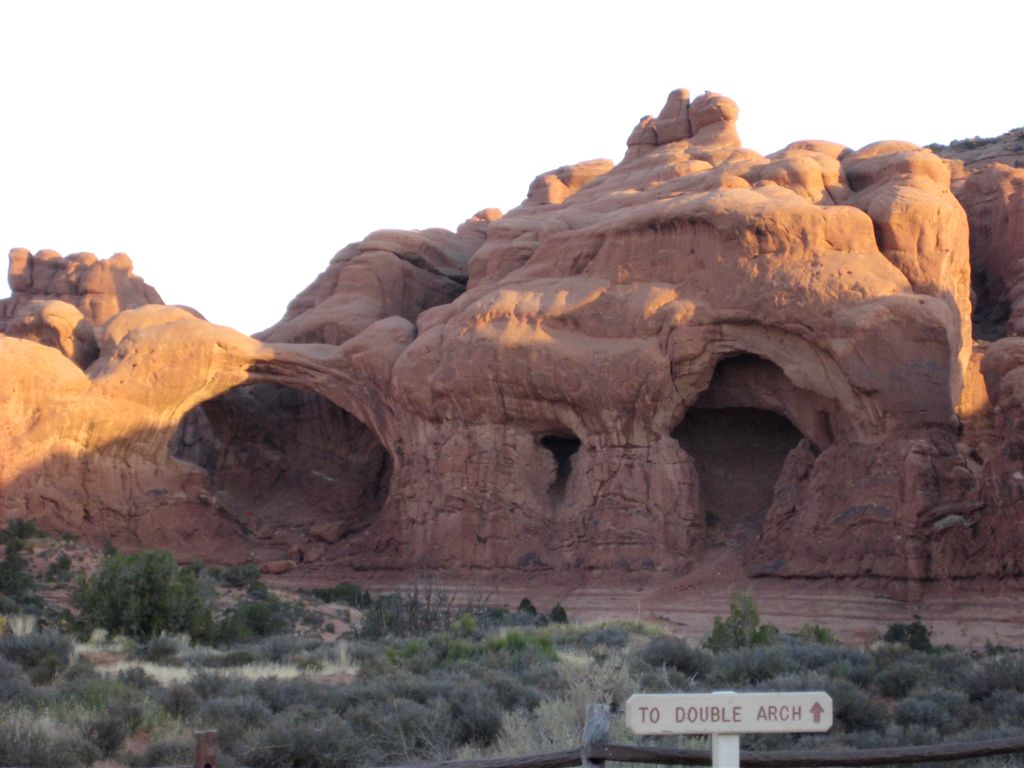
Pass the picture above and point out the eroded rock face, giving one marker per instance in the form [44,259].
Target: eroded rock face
[99,288]
[697,343]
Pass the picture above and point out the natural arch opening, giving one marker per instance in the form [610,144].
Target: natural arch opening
[739,441]
[562,448]
[286,458]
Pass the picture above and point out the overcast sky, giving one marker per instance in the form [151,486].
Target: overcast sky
[231,148]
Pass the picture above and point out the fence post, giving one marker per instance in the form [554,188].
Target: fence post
[206,749]
[594,730]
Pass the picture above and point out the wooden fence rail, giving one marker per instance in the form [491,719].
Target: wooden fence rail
[848,758]
[595,752]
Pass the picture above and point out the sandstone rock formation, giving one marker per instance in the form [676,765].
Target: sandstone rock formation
[696,345]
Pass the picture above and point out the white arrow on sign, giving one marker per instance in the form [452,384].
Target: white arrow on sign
[649,714]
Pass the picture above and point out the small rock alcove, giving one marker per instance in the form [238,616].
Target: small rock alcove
[562,448]
[739,441]
[286,458]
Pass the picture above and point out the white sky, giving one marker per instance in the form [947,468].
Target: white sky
[231,148]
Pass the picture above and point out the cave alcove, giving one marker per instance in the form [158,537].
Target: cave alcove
[286,457]
[562,447]
[739,436]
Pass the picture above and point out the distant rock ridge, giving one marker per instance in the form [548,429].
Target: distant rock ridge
[698,345]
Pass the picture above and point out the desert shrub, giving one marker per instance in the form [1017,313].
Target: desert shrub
[946,711]
[822,656]
[33,741]
[162,753]
[178,699]
[281,647]
[748,666]
[401,730]
[343,592]
[475,714]
[281,694]
[17,587]
[232,717]
[60,569]
[19,529]
[526,606]
[915,635]
[899,678]
[245,576]
[79,669]
[558,614]
[236,658]
[159,650]
[675,653]
[43,655]
[414,612]
[136,677]
[509,690]
[143,595]
[742,628]
[1006,706]
[207,684]
[303,738]
[15,687]
[602,635]
[108,729]
[815,633]
[995,673]
[853,709]
[253,619]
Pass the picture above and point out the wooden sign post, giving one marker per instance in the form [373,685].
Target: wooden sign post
[725,715]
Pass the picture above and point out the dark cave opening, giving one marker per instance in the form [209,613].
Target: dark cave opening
[285,457]
[562,448]
[739,454]
[990,308]
[739,441]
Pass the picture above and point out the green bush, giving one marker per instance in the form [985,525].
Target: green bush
[241,577]
[749,666]
[19,529]
[915,636]
[60,569]
[526,606]
[17,586]
[995,673]
[31,741]
[853,709]
[178,699]
[251,620]
[143,595]
[303,739]
[675,653]
[15,687]
[43,655]
[742,628]
[108,729]
[160,650]
[232,717]
[343,592]
[601,636]
[815,633]
[558,614]
[416,611]
[896,680]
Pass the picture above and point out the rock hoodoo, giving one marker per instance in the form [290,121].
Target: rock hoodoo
[697,342]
